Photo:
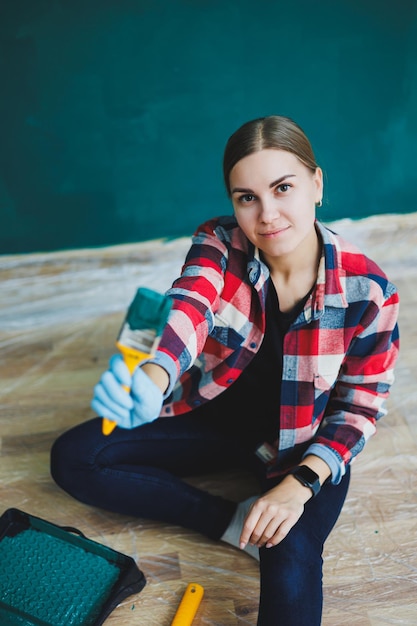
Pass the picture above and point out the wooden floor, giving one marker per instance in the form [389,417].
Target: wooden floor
[59,316]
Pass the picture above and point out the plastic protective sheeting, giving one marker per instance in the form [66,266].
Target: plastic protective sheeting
[59,317]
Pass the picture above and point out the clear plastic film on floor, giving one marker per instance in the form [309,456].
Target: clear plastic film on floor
[59,316]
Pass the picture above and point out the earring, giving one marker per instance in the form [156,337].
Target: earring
[319,203]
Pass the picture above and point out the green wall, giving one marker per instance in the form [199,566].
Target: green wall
[114,113]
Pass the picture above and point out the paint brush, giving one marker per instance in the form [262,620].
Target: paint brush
[188,606]
[141,332]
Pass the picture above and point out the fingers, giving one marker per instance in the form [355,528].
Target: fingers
[103,411]
[268,524]
[130,402]
[111,389]
[260,526]
[112,401]
[120,370]
[248,527]
[280,534]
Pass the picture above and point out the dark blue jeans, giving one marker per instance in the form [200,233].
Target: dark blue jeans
[140,473]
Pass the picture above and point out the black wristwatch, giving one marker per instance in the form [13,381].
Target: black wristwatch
[307,477]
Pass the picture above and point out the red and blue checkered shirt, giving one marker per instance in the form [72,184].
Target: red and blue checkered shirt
[338,355]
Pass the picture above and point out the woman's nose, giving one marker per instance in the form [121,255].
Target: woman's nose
[269,210]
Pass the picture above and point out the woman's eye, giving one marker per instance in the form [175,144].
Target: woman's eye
[283,187]
[245,199]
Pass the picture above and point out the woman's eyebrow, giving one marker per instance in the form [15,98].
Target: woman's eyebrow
[279,180]
[241,190]
[274,184]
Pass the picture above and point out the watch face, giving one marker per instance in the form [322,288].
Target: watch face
[307,477]
[307,473]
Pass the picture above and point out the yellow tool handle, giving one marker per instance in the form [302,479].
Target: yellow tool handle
[132,358]
[188,605]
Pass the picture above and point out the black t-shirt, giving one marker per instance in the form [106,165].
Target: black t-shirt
[252,403]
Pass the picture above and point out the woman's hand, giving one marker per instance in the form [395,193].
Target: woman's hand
[272,516]
[130,401]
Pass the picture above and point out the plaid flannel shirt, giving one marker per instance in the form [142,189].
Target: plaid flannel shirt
[339,353]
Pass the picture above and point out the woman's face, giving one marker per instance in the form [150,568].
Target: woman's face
[274,197]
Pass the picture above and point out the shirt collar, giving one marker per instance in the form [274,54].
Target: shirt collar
[330,290]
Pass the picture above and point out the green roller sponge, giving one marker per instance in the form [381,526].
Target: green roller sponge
[46,581]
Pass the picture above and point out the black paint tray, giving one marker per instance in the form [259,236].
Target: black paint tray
[54,576]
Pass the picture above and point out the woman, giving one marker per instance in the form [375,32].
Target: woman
[278,356]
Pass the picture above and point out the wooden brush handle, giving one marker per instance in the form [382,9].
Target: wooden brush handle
[188,605]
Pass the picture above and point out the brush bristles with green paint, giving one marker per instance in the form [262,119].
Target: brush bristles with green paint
[141,332]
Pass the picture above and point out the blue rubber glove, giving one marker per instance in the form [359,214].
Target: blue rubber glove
[142,405]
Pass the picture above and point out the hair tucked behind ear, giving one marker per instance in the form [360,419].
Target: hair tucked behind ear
[274,131]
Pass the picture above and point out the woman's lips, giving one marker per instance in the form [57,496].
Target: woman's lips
[274,233]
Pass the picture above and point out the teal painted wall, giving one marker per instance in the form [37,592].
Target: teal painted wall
[114,113]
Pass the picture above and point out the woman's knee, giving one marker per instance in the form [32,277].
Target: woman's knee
[300,550]
[291,579]
[69,455]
